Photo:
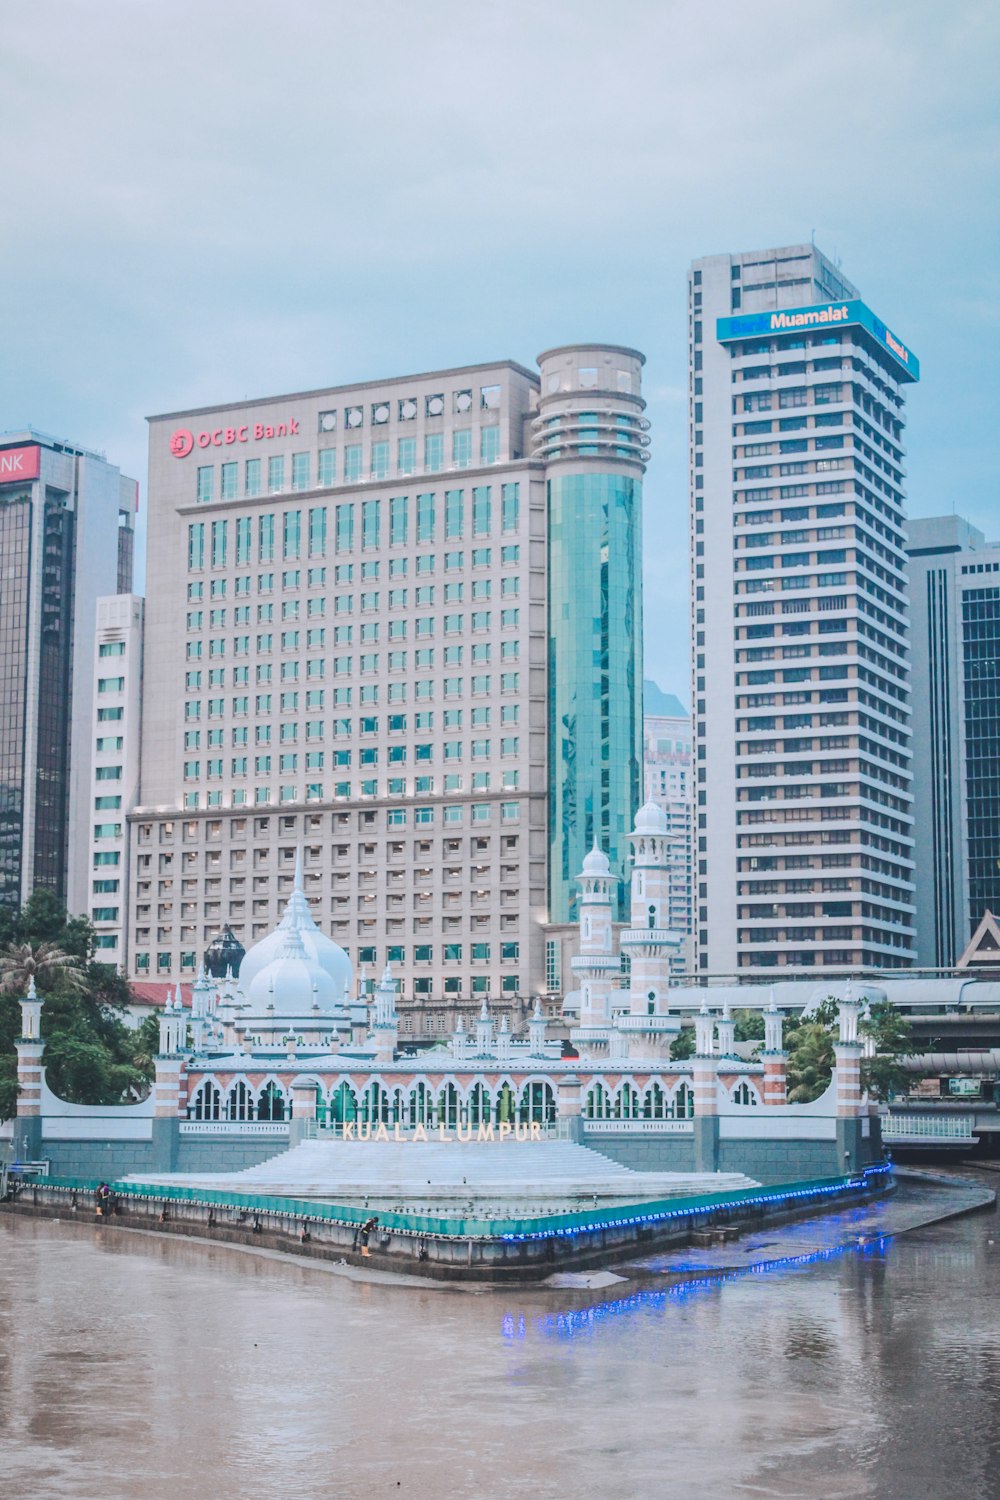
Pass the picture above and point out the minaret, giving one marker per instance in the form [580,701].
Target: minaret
[774,1057]
[30,1047]
[649,942]
[536,1031]
[385,1023]
[484,1033]
[503,1041]
[596,967]
[459,1040]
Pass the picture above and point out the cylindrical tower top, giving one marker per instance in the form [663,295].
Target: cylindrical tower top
[590,405]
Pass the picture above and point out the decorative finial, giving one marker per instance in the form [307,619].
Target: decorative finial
[297,884]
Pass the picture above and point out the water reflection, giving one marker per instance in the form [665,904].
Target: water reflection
[143,1367]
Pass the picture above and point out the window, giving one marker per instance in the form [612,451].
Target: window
[489,445]
[406,455]
[345,528]
[229,481]
[352,463]
[380,460]
[510,505]
[453,513]
[196,546]
[327,466]
[481,510]
[300,471]
[461,447]
[252,478]
[433,451]
[219,537]
[398,518]
[291,534]
[206,482]
[276,474]
[370,524]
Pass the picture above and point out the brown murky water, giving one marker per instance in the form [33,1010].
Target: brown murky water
[139,1367]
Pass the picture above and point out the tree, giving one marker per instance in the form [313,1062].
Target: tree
[682,1046]
[810,1060]
[883,1075]
[45,963]
[91,1055]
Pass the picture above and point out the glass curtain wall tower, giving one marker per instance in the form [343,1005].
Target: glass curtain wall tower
[592,436]
[800,625]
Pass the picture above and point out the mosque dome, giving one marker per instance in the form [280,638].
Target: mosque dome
[292,982]
[223,953]
[597,863]
[651,819]
[317,948]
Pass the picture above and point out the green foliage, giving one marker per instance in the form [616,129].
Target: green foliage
[810,1060]
[749,1025]
[682,1047]
[884,1075]
[91,1055]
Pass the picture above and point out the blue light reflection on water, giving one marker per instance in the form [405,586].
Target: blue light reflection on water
[577,1322]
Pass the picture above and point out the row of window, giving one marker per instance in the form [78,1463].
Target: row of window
[353,465]
[265,796]
[316,760]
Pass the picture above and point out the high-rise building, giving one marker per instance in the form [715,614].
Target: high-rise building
[397,626]
[955,634]
[799,622]
[668,779]
[114,741]
[66,532]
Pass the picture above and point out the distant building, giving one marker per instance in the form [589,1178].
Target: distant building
[66,535]
[667,778]
[801,694]
[955,633]
[396,626]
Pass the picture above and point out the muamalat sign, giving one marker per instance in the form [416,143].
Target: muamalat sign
[356,1130]
[814,317]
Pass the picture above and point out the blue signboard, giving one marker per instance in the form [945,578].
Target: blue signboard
[823,315]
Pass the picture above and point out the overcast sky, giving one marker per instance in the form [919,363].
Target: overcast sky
[205,199]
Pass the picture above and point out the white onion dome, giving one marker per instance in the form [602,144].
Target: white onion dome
[596,863]
[293,983]
[317,947]
[650,818]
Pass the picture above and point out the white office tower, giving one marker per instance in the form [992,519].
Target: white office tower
[668,776]
[955,603]
[801,685]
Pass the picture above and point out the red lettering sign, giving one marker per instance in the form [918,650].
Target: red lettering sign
[19,463]
[183,442]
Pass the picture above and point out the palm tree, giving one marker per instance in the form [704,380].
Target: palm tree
[42,962]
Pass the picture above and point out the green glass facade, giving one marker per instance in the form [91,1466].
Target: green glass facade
[595,676]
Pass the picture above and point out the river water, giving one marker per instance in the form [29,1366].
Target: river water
[138,1366]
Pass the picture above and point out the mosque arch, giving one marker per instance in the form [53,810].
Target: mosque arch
[626,1104]
[480,1104]
[505,1103]
[376,1103]
[343,1104]
[240,1102]
[684,1102]
[597,1104]
[207,1101]
[421,1104]
[449,1105]
[537,1103]
[271,1103]
[743,1093]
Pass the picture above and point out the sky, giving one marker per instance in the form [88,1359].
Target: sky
[206,201]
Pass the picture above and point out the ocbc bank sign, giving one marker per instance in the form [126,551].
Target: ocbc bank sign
[184,441]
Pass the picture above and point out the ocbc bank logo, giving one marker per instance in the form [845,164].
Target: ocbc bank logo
[181,442]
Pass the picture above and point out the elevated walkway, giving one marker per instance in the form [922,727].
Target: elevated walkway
[488,1178]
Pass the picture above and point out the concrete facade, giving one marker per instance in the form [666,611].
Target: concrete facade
[348,652]
[66,532]
[954,579]
[800,685]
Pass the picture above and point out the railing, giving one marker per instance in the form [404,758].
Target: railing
[234,1127]
[927,1127]
[638,1127]
[625,1215]
[429,1130]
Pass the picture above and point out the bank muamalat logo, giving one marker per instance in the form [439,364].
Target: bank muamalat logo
[182,442]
